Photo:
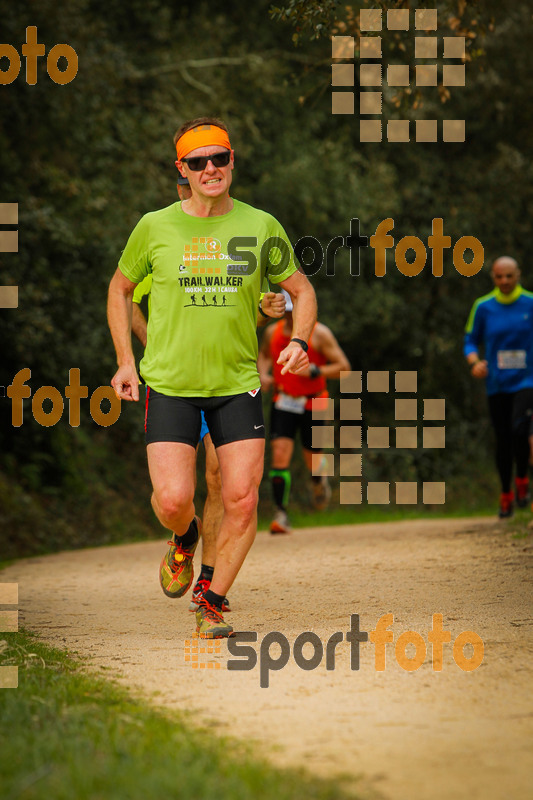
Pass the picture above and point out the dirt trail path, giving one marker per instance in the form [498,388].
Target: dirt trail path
[420,735]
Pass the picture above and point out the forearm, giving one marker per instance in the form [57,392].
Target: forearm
[138,324]
[264,364]
[304,314]
[119,313]
[472,341]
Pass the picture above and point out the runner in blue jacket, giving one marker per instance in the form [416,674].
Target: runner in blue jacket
[501,323]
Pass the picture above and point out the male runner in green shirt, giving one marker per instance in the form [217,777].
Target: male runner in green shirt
[271,306]
[208,257]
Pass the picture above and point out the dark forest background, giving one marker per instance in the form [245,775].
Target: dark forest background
[85,160]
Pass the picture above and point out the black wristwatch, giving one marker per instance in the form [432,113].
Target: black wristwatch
[302,344]
[314,370]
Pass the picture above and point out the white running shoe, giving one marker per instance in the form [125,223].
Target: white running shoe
[280,523]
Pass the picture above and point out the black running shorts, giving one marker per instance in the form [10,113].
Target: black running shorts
[229,419]
[287,424]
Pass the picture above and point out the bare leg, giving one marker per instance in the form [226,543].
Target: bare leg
[282,449]
[320,488]
[241,466]
[214,507]
[172,471]
[312,460]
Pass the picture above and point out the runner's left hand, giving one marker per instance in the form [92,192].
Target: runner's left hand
[294,358]
[273,304]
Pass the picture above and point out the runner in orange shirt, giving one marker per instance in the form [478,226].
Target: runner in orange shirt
[292,409]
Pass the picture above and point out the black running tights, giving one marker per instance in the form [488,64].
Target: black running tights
[511,413]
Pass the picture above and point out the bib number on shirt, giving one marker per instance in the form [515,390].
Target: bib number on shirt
[295,405]
[511,359]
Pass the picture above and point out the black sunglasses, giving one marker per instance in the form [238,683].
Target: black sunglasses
[198,163]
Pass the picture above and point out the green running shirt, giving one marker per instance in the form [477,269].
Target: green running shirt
[143,289]
[207,274]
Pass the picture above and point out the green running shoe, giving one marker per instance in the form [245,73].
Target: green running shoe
[210,622]
[176,570]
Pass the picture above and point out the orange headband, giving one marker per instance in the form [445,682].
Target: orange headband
[201,136]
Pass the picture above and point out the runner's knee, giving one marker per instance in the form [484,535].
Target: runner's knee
[241,502]
[172,502]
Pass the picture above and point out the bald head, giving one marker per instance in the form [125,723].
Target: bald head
[505,274]
[505,261]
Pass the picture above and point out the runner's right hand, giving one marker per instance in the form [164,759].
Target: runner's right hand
[125,382]
[480,369]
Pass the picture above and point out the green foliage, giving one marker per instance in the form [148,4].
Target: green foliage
[74,492]
[69,734]
[302,14]
[84,161]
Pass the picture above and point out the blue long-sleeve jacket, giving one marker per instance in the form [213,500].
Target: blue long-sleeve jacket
[503,326]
